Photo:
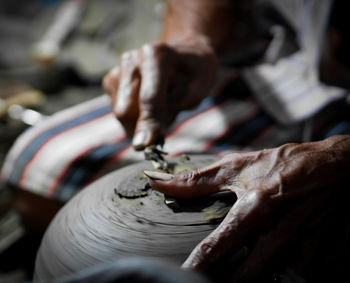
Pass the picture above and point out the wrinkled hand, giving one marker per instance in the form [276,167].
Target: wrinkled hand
[289,181]
[154,83]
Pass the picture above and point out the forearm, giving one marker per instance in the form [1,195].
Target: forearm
[224,23]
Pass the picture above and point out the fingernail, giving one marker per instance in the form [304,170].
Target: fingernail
[139,140]
[158,176]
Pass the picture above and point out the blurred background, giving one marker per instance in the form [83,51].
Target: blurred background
[53,54]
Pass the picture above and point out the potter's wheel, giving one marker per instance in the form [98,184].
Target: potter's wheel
[120,216]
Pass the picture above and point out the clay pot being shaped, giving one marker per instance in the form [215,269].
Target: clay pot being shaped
[120,215]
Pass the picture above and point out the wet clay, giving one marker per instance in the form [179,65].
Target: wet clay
[120,215]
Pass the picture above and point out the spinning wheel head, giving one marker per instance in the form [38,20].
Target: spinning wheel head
[120,216]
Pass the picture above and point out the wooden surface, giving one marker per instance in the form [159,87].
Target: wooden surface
[120,216]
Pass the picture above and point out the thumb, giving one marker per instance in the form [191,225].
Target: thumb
[188,184]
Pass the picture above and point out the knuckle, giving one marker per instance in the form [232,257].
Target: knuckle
[125,57]
[161,47]
[123,119]
[155,49]
[189,178]
[129,58]
[206,249]
[192,176]
[163,52]
[232,156]
[228,158]
[121,114]
[258,196]
[236,160]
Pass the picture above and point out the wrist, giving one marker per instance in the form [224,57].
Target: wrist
[221,22]
[193,43]
[338,149]
[326,162]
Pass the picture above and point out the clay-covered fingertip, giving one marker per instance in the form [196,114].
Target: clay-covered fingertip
[158,176]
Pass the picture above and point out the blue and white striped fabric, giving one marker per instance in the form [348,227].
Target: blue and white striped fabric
[74,147]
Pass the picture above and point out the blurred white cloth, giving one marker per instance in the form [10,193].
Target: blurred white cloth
[290,89]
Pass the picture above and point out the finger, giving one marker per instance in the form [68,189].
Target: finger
[126,104]
[271,244]
[246,216]
[152,105]
[110,83]
[191,184]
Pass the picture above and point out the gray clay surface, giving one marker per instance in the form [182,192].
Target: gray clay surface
[120,216]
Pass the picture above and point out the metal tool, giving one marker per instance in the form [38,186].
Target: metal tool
[156,154]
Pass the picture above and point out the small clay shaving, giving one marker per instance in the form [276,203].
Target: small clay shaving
[184,158]
[135,195]
[139,195]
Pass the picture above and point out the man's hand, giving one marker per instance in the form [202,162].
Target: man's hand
[277,189]
[154,83]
